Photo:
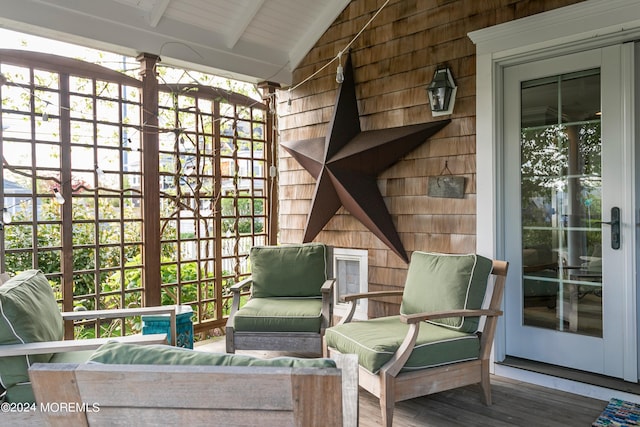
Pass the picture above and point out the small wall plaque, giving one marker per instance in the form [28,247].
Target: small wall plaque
[446,186]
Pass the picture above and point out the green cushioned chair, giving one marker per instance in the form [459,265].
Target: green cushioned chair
[32,331]
[442,338]
[291,301]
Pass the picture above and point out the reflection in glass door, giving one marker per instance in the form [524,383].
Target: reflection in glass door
[561,190]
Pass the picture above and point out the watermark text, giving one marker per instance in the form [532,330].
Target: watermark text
[51,407]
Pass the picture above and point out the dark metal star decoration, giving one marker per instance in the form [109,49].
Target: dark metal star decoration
[346,163]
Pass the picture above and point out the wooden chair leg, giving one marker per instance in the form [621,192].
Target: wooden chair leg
[387,398]
[229,339]
[485,383]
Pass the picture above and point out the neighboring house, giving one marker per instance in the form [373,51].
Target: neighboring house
[14,196]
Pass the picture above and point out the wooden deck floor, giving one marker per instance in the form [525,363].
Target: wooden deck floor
[514,404]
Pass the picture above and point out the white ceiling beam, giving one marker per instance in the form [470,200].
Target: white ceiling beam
[244,18]
[123,26]
[112,26]
[157,11]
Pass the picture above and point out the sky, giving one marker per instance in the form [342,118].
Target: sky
[15,40]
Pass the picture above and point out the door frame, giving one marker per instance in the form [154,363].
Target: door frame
[583,26]
[594,356]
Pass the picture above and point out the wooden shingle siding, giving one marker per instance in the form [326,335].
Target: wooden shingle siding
[394,60]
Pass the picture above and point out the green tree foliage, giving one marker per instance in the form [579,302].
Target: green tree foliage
[246,208]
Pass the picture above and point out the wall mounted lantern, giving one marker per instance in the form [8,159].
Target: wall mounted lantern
[442,92]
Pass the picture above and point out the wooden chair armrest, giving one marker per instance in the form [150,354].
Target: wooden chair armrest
[400,357]
[117,313]
[327,304]
[238,287]
[374,294]
[236,290]
[77,345]
[127,312]
[327,286]
[419,317]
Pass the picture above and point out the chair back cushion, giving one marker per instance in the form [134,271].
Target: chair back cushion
[133,354]
[439,282]
[28,313]
[288,270]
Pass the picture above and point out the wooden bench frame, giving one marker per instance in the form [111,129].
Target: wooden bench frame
[198,395]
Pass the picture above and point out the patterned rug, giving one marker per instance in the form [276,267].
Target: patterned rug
[619,413]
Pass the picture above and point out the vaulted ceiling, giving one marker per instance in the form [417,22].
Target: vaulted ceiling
[251,40]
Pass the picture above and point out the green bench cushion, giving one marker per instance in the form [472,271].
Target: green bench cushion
[279,315]
[438,282]
[376,340]
[28,313]
[288,270]
[132,354]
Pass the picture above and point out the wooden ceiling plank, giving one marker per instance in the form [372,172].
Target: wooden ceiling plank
[157,11]
[244,17]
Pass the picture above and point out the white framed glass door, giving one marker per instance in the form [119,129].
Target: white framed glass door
[564,170]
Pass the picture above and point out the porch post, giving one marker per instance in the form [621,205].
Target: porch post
[66,188]
[269,96]
[151,277]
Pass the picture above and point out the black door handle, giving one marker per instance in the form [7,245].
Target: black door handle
[615,227]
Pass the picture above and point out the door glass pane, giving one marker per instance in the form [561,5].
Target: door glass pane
[561,203]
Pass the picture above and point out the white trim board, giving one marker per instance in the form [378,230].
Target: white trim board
[562,384]
[596,21]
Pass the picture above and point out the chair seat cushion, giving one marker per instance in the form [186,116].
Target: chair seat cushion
[279,315]
[376,340]
[133,354]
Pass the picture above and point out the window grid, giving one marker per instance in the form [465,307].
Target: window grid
[204,184]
